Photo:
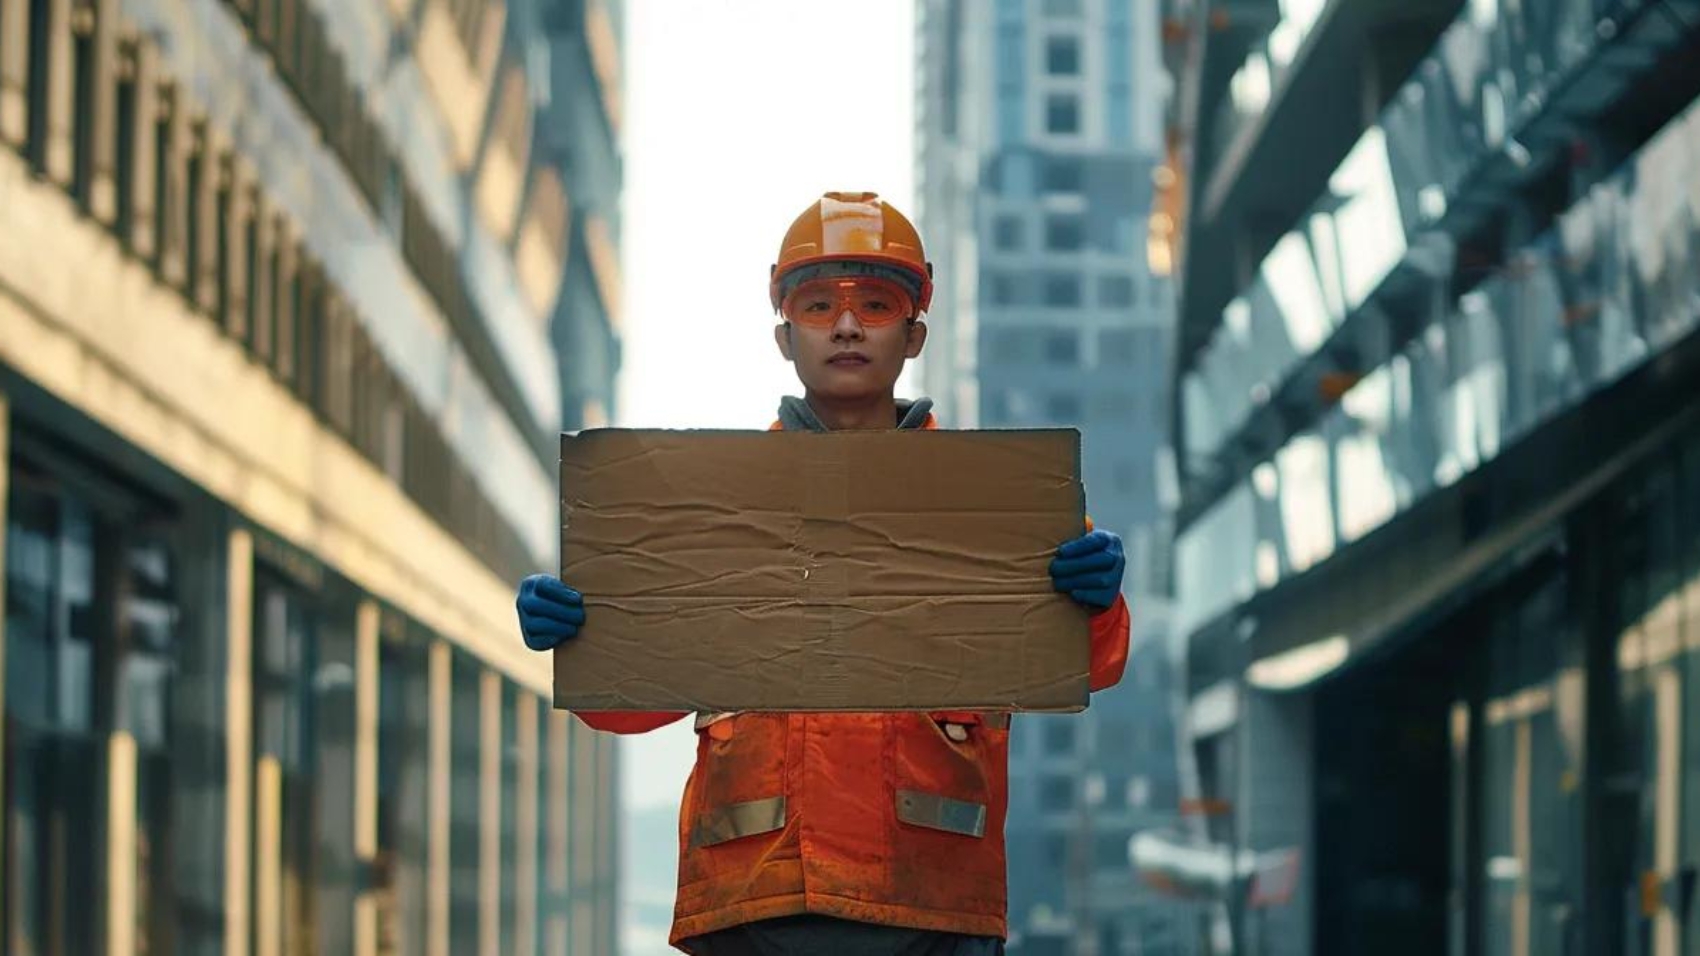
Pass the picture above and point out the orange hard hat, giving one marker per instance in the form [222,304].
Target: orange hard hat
[847,234]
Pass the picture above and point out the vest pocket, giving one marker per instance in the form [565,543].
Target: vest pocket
[736,793]
[947,801]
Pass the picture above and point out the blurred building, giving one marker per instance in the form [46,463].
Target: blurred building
[1438,554]
[1038,127]
[282,290]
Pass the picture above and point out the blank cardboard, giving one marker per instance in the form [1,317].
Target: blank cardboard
[837,571]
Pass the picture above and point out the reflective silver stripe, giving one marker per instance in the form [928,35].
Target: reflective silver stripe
[739,820]
[941,813]
[705,719]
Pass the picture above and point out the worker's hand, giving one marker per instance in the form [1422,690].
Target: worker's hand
[1089,569]
[549,611]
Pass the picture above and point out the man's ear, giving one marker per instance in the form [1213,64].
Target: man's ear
[782,336]
[917,338]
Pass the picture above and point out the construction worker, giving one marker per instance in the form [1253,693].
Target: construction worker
[849,833]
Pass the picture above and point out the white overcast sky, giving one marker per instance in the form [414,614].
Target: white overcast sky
[738,114]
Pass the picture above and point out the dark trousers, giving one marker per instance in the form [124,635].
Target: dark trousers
[810,935]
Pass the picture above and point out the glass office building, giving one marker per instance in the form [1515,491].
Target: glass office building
[1439,445]
[285,290]
[1038,127]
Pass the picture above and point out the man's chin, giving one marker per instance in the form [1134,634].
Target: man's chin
[858,385]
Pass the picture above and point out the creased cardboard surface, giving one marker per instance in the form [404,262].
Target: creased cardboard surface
[900,570]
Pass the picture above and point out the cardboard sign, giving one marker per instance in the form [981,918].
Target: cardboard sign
[839,571]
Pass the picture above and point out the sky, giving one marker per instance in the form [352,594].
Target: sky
[738,114]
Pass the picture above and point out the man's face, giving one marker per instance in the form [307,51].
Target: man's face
[849,338]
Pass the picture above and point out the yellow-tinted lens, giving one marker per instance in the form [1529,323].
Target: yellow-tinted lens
[874,302]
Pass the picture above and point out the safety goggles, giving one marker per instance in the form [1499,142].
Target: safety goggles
[874,302]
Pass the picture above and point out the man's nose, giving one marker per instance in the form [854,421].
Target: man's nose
[847,327]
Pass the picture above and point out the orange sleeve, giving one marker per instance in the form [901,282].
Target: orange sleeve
[1109,645]
[630,721]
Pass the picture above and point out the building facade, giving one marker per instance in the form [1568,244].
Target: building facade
[1438,554]
[295,298]
[1038,128]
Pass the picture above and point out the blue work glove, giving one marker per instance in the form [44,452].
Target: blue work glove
[1089,569]
[549,611]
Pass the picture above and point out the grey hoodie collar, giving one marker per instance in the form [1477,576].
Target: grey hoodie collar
[795,415]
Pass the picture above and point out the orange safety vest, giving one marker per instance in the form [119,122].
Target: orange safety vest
[890,818]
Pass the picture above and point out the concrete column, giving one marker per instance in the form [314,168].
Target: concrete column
[1667,800]
[14,70]
[556,828]
[268,857]
[524,939]
[365,772]
[54,149]
[239,737]
[582,849]
[121,844]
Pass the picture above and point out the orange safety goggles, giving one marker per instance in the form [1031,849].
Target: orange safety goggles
[873,301]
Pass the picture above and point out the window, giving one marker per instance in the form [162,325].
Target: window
[1062,56]
[1062,290]
[1063,408]
[1062,113]
[508,830]
[1062,347]
[285,659]
[85,113]
[286,302]
[1006,289]
[1007,233]
[404,786]
[1012,345]
[1056,793]
[1115,292]
[1059,736]
[465,794]
[225,230]
[1063,174]
[1065,233]
[42,71]
[53,753]
[130,151]
[165,192]
[1116,347]
[194,233]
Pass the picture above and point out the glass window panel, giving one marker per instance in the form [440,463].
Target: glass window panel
[464,796]
[1062,55]
[1065,233]
[1062,290]
[1062,347]
[1115,292]
[404,797]
[1062,113]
